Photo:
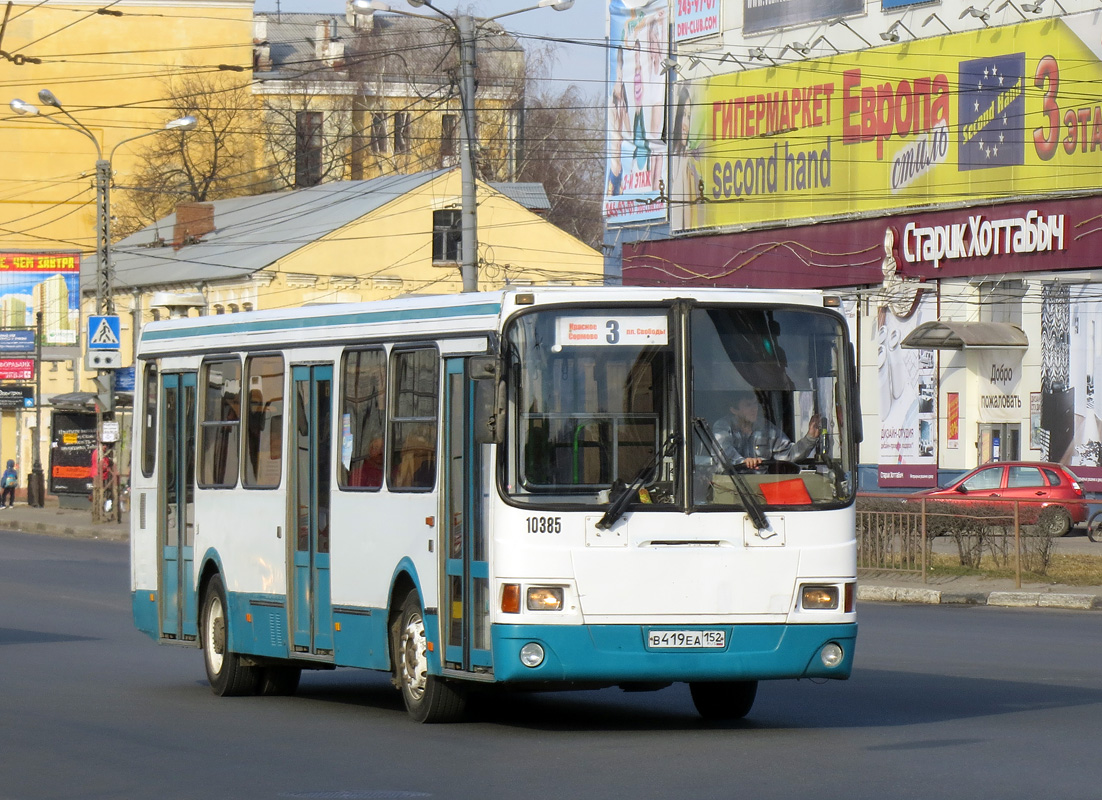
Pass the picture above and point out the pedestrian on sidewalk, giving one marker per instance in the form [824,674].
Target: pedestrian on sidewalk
[8,481]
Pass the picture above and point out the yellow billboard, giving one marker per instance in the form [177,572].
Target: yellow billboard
[983,115]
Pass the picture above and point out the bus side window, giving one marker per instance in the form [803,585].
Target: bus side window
[219,448]
[264,422]
[363,411]
[413,410]
[149,419]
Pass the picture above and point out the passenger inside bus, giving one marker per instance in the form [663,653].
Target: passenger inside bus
[368,471]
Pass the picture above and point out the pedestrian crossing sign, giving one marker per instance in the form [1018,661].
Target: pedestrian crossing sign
[103,332]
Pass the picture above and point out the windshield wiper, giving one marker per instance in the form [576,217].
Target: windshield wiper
[749,502]
[620,504]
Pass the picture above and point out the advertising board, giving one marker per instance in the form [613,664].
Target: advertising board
[986,115]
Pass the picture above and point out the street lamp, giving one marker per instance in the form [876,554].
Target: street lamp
[465,31]
[105,301]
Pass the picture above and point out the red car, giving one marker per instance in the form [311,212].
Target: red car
[1024,480]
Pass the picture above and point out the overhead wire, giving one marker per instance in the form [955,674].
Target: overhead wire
[599,136]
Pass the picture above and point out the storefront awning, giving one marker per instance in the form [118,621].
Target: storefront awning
[950,335]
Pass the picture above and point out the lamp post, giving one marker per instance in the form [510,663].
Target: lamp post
[466,33]
[105,301]
[105,279]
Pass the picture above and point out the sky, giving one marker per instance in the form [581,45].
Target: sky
[580,59]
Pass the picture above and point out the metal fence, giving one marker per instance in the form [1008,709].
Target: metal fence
[896,533]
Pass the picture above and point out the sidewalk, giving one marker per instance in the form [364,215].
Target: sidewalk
[895,587]
[54,521]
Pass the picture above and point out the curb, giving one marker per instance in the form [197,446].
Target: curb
[892,594]
[83,532]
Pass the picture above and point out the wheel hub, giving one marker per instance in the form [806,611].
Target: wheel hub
[414,664]
[216,636]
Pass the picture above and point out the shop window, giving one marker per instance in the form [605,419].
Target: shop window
[1001,301]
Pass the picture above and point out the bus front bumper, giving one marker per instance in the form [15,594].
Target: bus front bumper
[621,653]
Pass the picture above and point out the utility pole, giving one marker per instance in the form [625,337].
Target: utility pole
[36,491]
[105,277]
[468,141]
[105,481]
[467,32]
[105,455]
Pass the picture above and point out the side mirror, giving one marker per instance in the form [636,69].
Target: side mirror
[855,421]
[489,399]
[962,489]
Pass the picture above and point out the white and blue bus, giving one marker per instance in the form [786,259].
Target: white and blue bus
[518,489]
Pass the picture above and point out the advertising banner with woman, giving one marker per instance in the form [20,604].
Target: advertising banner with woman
[636,173]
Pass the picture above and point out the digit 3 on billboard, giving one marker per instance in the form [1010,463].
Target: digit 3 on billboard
[833,136]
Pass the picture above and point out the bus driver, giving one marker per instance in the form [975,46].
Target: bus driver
[747,440]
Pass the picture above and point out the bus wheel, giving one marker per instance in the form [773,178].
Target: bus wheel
[724,699]
[428,698]
[228,676]
[279,681]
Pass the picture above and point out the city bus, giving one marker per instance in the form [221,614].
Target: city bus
[510,490]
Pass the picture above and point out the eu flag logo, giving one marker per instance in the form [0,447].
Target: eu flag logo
[992,112]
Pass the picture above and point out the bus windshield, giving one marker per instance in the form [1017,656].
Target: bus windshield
[600,401]
[595,396]
[770,386]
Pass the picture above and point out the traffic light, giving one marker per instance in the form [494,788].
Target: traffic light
[105,390]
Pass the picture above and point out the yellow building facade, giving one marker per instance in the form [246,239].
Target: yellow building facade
[108,66]
[113,71]
[382,248]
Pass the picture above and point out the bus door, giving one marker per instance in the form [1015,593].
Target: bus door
[177,512]
[466,626]
[311,418]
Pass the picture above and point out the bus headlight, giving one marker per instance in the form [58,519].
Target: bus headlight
[531,655]
[545,598]
[831,655]
[819,596]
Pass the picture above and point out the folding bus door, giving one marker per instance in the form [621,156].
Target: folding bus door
[466,614]
[176,516]
[311,462]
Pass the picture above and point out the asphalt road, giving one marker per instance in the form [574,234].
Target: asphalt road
[947,702]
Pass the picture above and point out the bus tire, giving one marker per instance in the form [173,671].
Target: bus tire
[227,674]
[279,681]
[723,700]
[427,698]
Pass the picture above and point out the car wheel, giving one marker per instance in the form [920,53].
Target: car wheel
[1054,522]
[428,698]
[723,700]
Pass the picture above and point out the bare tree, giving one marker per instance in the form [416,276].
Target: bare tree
[563,148]
[407,73]
[212,161]
[306,135]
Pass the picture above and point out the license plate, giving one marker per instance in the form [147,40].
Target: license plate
[674,640]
